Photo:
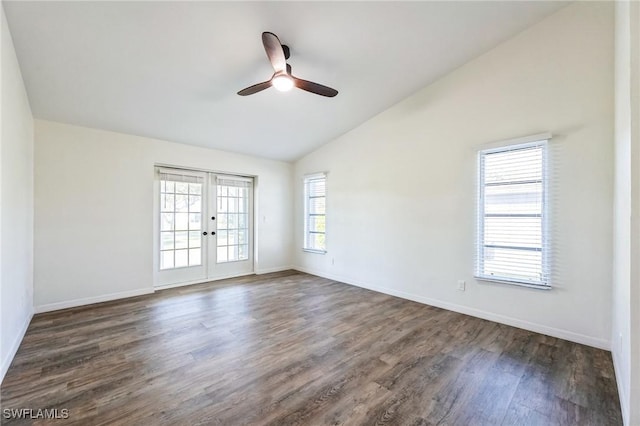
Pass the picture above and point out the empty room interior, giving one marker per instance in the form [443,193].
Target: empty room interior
[320,213]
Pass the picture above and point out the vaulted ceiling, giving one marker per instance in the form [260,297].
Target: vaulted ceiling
[171,70]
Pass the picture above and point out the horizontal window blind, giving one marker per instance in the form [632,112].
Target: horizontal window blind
[315,213]
[239,183]
[176,175]
[511,220]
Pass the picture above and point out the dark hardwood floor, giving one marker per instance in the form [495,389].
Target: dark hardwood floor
[291,348]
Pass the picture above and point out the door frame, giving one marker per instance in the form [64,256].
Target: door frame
[155,212]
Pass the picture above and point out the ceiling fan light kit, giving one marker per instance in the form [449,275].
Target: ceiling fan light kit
[282,82]
[282,78]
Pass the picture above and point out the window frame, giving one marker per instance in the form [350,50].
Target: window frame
[306,198]
[515,145]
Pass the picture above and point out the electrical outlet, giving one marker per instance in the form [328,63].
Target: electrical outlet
[461,285]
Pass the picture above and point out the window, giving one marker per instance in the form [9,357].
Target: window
[511,220]
[315,213]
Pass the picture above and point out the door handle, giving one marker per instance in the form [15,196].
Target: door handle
[213,233]
[204,233]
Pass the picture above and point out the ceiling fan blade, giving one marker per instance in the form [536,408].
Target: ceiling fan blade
[312,87]
[274,50]
[255,88]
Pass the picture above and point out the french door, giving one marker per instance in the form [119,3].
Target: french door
[205,226]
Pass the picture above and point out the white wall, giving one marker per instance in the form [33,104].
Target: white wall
[402,186]
[16,204]
[626,250]
[94,210]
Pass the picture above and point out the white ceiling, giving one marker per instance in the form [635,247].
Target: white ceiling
[171,70]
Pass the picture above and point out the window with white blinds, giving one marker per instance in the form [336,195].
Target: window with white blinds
[511,221]
[315,213]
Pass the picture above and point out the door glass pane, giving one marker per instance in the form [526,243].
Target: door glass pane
[182,258]
[222,238]
[222,204]
[233,237]
[195,239]
[233,205]
[232,224]
[182,203]
[233,253]
[182,239]
[222,220]
[195,257]
[233,221]
[195,203]
[222,254]
[166,202]
[194,221]
[195,189]
[166,222]
[166,241]
[181,223]
[166,259]
[182,188]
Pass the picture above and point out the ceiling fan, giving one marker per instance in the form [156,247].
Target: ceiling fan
[282,79]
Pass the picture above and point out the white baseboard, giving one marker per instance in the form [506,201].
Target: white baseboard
[276,269]
[122,295]
[622,394]
[537,328]
[6,362]
[91,300]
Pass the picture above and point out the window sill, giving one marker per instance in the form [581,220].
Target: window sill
[513,282]
[314,251]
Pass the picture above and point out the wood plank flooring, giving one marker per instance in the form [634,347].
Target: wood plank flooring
[294,349]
